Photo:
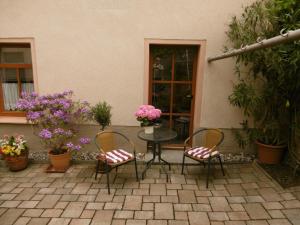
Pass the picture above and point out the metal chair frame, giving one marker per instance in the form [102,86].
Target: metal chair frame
[211,150]
[108,167]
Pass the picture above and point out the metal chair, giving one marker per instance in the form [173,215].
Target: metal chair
[210,139]
[112,145]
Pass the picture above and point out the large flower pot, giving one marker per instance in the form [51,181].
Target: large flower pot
[17,163]
[269,154]
[60,162]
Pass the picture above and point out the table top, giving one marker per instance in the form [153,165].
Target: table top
[159,135]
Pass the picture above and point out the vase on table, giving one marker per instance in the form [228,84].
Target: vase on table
[149,129]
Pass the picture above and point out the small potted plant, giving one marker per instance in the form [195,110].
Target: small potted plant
[56,120]
[14,151]
[102,114]
[147,115]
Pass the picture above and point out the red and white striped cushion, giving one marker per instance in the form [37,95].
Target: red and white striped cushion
[201,152]
[116,156]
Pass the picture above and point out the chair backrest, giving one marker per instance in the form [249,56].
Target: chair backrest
[206,137]
[110,140]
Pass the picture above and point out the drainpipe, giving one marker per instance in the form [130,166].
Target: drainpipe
[282,38]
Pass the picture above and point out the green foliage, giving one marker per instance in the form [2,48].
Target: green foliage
[270,91]
[102,114]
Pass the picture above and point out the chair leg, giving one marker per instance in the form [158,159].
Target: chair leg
[208,171]
[182,165]
[136,170]
[97,168]
[107,177]
[220,160]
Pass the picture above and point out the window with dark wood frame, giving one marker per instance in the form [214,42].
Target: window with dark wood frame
[15,76]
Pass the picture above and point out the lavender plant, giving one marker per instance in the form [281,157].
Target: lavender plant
[56,118]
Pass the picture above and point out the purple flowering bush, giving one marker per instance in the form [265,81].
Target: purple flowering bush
[56,118]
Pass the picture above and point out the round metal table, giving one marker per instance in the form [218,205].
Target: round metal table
[159,135]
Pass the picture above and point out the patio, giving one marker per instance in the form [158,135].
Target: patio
[245,196]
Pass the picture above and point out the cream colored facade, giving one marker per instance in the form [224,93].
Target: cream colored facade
[98,48]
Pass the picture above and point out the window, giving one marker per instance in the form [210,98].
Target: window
[16,76]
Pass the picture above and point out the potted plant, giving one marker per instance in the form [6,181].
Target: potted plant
[269,92]
[147,115]
[15,152]
[102,114]
[56,120]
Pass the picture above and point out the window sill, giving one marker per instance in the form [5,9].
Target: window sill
[13,120]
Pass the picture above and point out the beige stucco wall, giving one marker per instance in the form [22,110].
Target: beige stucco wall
[96,48]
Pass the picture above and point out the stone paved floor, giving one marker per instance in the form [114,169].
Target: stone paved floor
[245,196]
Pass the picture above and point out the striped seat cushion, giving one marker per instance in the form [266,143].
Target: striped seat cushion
[116,156]
[201,152]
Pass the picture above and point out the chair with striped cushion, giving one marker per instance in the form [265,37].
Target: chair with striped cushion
[203,147]
[115,150]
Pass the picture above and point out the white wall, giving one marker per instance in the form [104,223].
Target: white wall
[96,47]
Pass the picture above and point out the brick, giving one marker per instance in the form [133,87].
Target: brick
[74,209]
[256,211]
[198,218]
[102,217]
[186,196]
[133,203]
[10,216]
[59,221]
[164,211]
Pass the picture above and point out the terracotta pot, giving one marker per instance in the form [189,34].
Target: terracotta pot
[269,154]
[60,162]
[17,163]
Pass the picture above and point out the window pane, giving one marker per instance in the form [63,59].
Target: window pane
[184,60]
[26,78]
[10,88]
[162,63]
[181,124]
[15,54]
[161,97]
[182,98]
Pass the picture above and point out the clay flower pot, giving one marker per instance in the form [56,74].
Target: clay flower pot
[17,163]
[269,154]
[60,162]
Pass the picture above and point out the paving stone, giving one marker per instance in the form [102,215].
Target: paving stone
[164,211]
[33,212]
[158,189]
[86,198]
[87,214]
[7,196]
[8,187]
[42,221]
[171,199]
[203,193]
[28,204]
[52,213]
[272,205]
[276,214]
[80,222]
[201,207]
[113,205]
[59,221]
[256,211]
[26,194]
[104,197]
[46,191]
[237,207]
[102,217]
[219,204]
[10,216]
[133,203]
[218,216]
[235,223]
[22,221]
[140,192]
[74,209]
[144,215]
[279,222]
[2,210]
[148,206]
[221,193]
[186,196]
[95,205]
[10,204]
[123,214]
[118,222]
[254,198]
[291,204]
[293,215]
[198,218]
[269,194]
[49,201]
[151,198]
[238,216]
[288,196]
[257,222]
[157,222]
[61,205]
[175,222]
[69,198]
[236,199]
[182,207]
[136,222]
[181,215]
[81,188]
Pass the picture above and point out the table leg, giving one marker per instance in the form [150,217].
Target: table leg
[164,162]
[150,162]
